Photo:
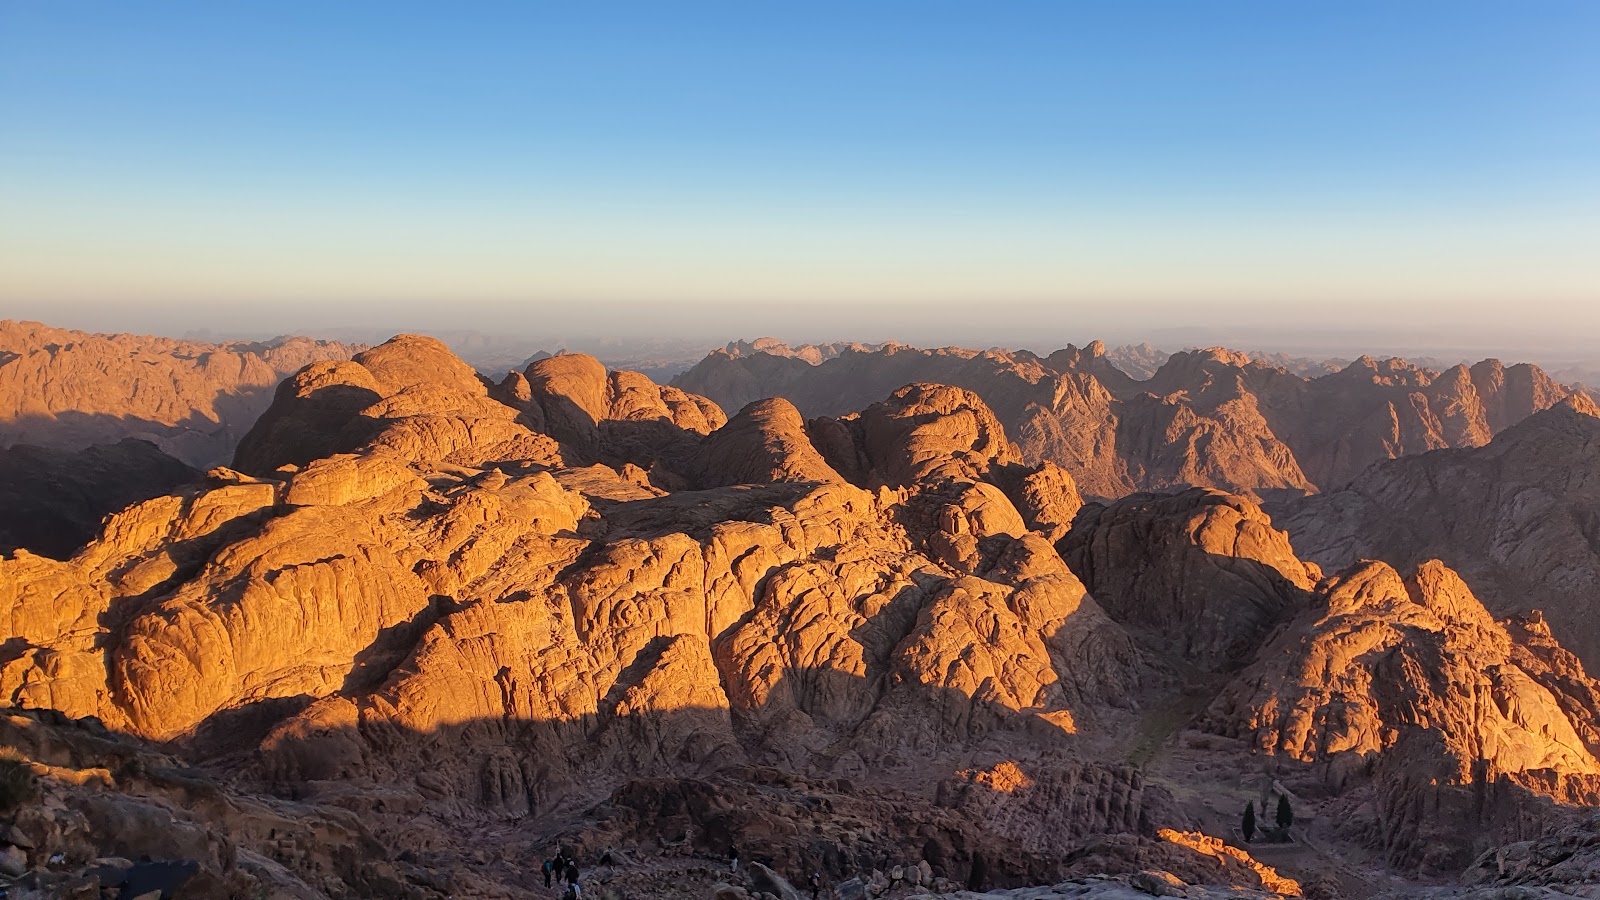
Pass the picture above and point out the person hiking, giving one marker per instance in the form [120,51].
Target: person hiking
[571,873]
[733,856]
[548,869]
[816,884]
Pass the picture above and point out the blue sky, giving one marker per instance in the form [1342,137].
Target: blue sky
[821,170]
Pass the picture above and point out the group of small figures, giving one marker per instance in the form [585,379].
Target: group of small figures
[561,866]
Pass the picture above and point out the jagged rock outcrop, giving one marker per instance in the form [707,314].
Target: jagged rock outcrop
[1205,574]
[1515,518]
[1462,730]
[68,390]
[1375,410]
[1212,418]
[1053,806]
[1412,668]
[1046,496]
[811,353]
[1139,361]
[52,501]
[1565,863]
[1199,421]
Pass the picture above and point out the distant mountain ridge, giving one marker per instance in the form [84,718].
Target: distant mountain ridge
[1213,417]
[68,389]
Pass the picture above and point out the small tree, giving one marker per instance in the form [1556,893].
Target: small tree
[1249,826]
[1285,813]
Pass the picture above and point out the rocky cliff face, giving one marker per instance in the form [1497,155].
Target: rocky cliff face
[396,550]
[70,389]
[1416,671]
[1204,574]
[1210,418]
[1562,863]
[1448,731]
[1516,518]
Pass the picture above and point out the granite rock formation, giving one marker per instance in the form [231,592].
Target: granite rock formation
[1204,574]
[1060,416]
[405,584]
[1417,668]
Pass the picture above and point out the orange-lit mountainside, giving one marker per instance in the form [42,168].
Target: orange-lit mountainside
[910,623]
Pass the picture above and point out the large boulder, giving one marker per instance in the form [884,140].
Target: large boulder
[765,443]
[1202,573]
[928,433]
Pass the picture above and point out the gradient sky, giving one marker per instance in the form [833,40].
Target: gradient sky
[926,171]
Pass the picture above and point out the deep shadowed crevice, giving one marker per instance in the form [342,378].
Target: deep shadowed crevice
[52,502]
[373,664]
[648,657]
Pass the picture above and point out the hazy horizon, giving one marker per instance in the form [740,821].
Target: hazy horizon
[675,351]
[1336,180]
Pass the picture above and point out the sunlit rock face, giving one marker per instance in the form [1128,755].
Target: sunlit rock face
[1414,666]
[412,556]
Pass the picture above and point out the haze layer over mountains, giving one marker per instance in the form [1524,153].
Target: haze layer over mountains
[393,627]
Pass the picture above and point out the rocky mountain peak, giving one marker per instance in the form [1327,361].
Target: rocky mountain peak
[1380,669]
